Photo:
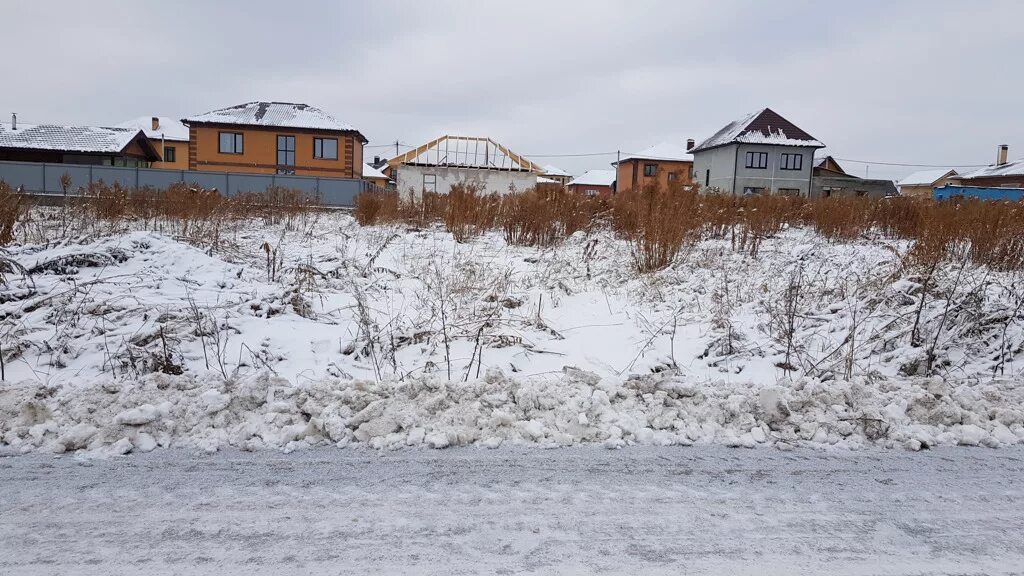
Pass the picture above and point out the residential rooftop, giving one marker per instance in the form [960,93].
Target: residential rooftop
[594,178]
[669,151]
[926,177]
[54,137]
[273,114]
[167,128]
[762,127]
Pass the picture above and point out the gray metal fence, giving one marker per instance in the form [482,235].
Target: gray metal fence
[44,179]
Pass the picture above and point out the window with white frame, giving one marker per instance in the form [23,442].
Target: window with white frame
[430,183]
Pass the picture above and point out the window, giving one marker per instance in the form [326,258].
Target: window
[757,160]
[751,191]
[325,148]
[672,176]
[285,154]
[591,192]
[650,169]
[232,143]
[707,177]
[430,183]
[789,191]
[792,162]
[169,155]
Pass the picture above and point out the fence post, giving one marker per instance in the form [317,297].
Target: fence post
[44,178]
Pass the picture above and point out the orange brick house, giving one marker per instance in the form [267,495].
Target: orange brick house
[666,165]
[274,138]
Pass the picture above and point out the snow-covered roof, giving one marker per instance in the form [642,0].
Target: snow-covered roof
[89,139]
[371,172]
[281,114]
[543,180]
[466,152]
[1015,168]
[664,151]
[595,178]
[926,177]
[167,128]
[761,127]
[552,170]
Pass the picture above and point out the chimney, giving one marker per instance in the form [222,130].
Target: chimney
[14,120]
[156,123]
[689,144]
[376,160]
[1001,155]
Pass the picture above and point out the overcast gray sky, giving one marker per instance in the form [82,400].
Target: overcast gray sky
[926,82]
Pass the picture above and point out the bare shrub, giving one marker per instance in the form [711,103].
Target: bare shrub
[657,223]
[13,207]
[470,211]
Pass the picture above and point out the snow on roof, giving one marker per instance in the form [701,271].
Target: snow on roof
[595,178]
[167,128]
[466,152]
[552,170]
[664,151]
[282,114]
[371,172]
[66,138]
[926,177]
[543,180]
[761,127]
[1015,168]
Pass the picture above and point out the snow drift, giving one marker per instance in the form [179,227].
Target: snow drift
[577,407]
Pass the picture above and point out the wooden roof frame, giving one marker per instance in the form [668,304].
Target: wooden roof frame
[406,157]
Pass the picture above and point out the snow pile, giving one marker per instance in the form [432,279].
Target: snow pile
[577,407]
[286,333]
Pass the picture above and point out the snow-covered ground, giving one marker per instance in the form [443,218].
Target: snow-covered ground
[323,332]
[582,510]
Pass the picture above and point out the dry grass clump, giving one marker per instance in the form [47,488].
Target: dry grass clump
[13,207]
[657,223]
[470,211]
[545,215]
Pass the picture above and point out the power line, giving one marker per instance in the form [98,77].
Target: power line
[913,165]
[569,155]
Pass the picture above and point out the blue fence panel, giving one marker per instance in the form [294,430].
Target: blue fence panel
[52,174]
[340,192]
[108,174]
[29,176]
[43,178]
[982,193]
[159,179]
[247,183]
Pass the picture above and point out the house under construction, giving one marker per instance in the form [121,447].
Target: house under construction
[442,162]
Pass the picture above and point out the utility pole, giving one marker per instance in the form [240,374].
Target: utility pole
[396,148]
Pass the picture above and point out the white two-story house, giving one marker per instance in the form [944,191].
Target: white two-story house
[761,153]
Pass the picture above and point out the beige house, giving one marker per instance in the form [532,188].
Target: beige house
[922,184]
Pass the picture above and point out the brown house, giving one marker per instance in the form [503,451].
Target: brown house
[1002,174]
[667,165]
[274,137]
[594,183]
[75,145]
[168,136]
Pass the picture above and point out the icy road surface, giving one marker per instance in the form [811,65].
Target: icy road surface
[635,511]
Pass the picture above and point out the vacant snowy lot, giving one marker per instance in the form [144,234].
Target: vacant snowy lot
[316,331]
[582,510]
